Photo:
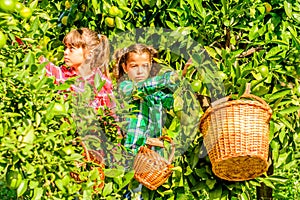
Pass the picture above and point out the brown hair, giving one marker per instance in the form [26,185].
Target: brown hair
[122,55]
[95,47]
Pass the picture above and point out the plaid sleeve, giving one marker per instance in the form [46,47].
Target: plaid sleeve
[52,70]
[151,85]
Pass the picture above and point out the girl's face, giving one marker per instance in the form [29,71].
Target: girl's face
[73,56]
[138,66]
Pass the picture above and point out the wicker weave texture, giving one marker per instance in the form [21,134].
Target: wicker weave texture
[236,135]
[151,169]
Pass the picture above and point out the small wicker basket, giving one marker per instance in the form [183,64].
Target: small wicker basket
[151,169]
[95,157]
[236,135]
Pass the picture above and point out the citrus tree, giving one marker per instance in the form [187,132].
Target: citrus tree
[249,41]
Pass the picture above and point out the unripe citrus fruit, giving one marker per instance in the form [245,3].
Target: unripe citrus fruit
[67,4]
[2,40]
[113,11]
[25,12]
[64,20]
[263,70]
[8,5]
[13,179]
[19,6]
[110,21]
[196,85]
[268,7]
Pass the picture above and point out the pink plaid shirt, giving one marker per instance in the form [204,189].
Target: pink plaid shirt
[62,73]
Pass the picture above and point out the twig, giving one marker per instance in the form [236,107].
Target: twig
[249,52]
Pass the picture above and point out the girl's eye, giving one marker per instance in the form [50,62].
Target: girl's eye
[145,65]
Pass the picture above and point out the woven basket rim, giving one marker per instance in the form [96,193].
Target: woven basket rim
[227,101]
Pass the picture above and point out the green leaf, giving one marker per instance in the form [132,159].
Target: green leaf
[273,52]
[211,51]
[107,189]
[287,123]
[34,4]
[188,171]
[59,184]
[211,183]
[289,110]
[279,94]
[177,168]
[127,178]
[22,187]
[278,179]
[113,172]
[29,59]
[288,8]
[95,4]
[216,194]
[268,183]
[282,159]
[244,196]
[119,23]
[38,193]
[171,25]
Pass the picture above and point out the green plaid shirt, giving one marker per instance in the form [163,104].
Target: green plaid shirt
[149,99]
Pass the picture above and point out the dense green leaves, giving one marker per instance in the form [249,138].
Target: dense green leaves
[249,42]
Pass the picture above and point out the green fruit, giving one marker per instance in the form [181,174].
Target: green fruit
[13,179]
[64,20]
[8,5]
[2,40]
[196,85]
[67,4]
[268,7]
[113,11]
[110,22]
[25,12]
[19,6]
[264,71]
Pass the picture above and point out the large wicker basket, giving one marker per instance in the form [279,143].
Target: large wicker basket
[236,135]
[151,169]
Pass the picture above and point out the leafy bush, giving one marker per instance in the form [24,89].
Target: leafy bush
[249,41]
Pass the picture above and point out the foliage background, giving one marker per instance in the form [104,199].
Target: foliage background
[250,41]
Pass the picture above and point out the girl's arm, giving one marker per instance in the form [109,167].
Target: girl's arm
[53,70]
[140,89]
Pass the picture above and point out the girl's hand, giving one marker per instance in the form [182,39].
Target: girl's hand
[155,142]
[42,59]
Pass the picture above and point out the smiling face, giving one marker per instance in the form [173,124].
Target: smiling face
[138,66]
[74,56]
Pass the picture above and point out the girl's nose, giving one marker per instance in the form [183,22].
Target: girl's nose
[140,69]
[66,52]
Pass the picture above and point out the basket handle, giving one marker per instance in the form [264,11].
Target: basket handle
[159,143]
[245,95]
[85,150]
